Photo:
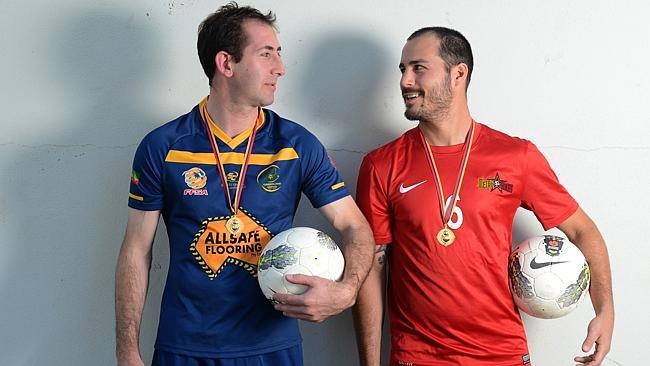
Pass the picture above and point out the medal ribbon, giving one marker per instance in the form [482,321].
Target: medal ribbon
[447,212]
[234,206]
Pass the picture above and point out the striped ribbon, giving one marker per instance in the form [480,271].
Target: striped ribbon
[234,206]
[446,212]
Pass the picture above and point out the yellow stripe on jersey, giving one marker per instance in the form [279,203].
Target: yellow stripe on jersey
[178,156]
[338,185]
[139,198]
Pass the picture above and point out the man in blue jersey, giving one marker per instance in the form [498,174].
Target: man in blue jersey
[226,177]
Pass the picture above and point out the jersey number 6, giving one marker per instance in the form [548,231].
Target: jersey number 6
[454,224]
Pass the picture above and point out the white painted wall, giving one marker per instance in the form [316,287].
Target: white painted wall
[83,81]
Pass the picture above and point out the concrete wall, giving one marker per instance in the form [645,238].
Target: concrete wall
[83,81]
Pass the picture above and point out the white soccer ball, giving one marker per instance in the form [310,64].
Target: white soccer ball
[549,276]
[300,250]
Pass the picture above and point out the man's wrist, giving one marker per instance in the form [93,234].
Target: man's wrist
[603,308]
[127,352]
[350,290]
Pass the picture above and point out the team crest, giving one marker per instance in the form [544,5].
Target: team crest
[495,183]
[269,179]
[553,244]
[215,247]
[196,179]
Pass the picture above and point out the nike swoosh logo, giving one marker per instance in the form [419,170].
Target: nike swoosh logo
[536,265]
[403,189]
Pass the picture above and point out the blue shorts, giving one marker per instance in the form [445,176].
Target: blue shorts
[286,357]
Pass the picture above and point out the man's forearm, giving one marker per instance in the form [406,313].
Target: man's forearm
[358,251]
[582,231]
[369,312]
[131,281]
[593,246]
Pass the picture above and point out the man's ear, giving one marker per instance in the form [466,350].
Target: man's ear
[223,62]
[459,75]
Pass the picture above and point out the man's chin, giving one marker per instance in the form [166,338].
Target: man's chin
[266,102]
[412,115]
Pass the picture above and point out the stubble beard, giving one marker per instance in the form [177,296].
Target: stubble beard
[435,106]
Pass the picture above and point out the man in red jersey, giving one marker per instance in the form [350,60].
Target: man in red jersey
[441,201]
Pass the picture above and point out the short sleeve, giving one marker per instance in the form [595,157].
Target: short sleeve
[543,194]
[145,192]
[372,199]
[321,182]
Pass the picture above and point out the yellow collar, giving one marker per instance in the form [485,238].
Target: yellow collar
[235,141]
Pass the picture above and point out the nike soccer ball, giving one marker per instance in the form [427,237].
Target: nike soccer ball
[300,250]
[548,276]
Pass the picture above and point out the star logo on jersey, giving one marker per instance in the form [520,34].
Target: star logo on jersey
[215,247]
[496,183]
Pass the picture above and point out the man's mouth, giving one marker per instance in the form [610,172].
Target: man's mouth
[410,96]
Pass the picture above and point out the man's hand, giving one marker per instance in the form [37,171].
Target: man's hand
[323,299]
[599,333]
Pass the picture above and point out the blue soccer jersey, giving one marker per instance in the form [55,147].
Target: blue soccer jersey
[212,305]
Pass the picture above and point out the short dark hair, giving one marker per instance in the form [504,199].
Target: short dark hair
[223,31]
[454,47]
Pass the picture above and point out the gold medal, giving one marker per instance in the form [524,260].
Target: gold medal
[446,237]
[235,225]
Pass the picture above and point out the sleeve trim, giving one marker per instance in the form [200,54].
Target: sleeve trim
[332,198]
[383,240]
[136,197]
[560,219]
[145,206]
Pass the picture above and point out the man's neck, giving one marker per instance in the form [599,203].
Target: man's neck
[232,118]
[447,131]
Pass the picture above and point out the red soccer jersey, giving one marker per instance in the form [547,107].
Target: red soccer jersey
[452,305]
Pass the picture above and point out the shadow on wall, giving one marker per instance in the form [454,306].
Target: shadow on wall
[68,221]
[338,87]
